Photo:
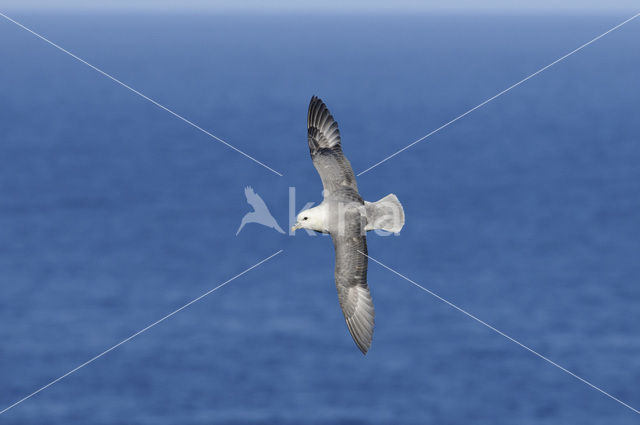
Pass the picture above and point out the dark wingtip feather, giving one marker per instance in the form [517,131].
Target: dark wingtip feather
[363,349]
[360,336]
[314,104]
[322,128]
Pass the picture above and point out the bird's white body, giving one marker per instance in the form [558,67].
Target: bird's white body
[386,214]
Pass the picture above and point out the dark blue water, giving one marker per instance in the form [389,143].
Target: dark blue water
[113,213]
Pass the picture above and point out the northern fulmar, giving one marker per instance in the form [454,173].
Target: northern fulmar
[346,217]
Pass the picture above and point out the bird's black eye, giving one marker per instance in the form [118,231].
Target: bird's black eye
[305,218]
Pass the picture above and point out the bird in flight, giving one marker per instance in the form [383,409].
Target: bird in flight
[260,213]
[346,217]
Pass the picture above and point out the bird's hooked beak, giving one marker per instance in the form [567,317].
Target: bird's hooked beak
[295,227]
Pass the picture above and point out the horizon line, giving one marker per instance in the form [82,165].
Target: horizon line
[320,12]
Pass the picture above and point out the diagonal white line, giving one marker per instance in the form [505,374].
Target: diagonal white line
[136,334]
[175,114]
[531,350]
[499,94]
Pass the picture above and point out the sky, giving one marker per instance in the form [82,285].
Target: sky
[330,6]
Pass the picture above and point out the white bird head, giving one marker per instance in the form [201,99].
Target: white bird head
[312,219]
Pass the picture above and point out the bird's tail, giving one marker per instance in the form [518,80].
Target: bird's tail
[386,214]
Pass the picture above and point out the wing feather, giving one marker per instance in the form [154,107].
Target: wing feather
[351,280]
[325,147]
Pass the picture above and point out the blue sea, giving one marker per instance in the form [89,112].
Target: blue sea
[114,213]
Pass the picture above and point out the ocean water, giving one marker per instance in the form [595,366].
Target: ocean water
[113,213]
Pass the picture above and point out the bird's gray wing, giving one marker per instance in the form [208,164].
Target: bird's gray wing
[351,279]
[326,151]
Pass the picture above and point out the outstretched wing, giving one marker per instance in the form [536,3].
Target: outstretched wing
[254,199]
[326,151]
[351,279]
